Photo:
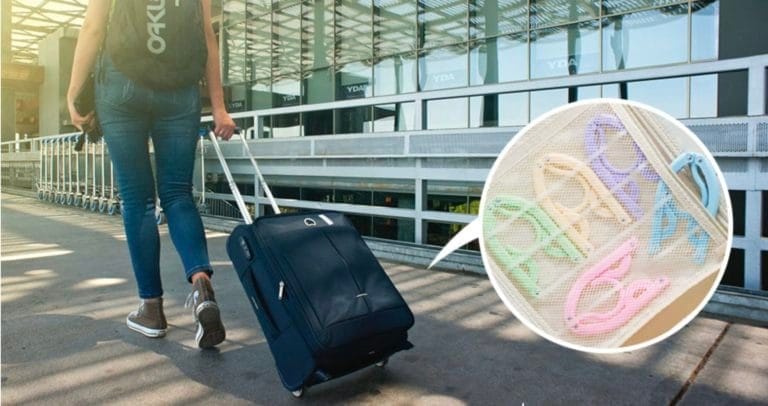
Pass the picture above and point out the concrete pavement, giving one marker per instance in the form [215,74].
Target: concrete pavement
[67,287]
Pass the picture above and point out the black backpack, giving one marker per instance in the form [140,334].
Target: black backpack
[159,44]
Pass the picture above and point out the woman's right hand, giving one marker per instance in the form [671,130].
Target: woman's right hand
[75,117]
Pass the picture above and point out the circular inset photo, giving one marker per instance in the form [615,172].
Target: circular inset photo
[606,225]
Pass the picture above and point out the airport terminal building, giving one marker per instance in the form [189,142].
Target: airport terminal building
[393,111]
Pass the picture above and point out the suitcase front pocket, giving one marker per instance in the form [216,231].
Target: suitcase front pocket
[324,277]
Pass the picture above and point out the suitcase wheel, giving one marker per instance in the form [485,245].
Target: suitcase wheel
[298,393]
[382,363]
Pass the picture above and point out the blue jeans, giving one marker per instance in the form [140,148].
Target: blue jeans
[130,115]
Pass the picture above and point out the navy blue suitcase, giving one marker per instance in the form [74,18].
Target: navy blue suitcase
[325,304]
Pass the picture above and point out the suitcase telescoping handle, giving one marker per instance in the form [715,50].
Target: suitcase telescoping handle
[233,186]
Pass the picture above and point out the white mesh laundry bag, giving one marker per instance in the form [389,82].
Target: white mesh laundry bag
[598,216]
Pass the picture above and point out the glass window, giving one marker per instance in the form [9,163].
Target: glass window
[285,125]
[474,205]
[318,86]
[546,13]
[622,6]
[448,203]
[284,192]
[235,69]
[394,199]
[565,50]
[354,120]
[261,94]
[394,26]
[704,96]
[286,90]
[259,52]
[734,271]
[440,233]
[233,11]
[488,18]
[543,101]
[318,122]
[362,197]
[588,92]
[361,223]
[286,38]
[732,93]
[384,117]
[447,113]
[498,60]
[764,270]
[484,111]
[257,8]
[668,95]
[393,229]
[353,81]
[705,24]
[513,109]
[317,194]
[739,204]
[613,90]
[394,74]
[441,23]
[266,127]
[443,68]
[353,30]
[282,3]
[647,38]
[393,117]
[316,34]
[765,215]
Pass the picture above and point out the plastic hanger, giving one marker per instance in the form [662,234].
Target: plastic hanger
[632,298]
[668,214]
[519,263]
[617,180]
[597,198]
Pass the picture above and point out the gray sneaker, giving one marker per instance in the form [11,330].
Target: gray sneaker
[210,330]
[149,319]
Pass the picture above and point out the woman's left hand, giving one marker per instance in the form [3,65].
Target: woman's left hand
[224,125]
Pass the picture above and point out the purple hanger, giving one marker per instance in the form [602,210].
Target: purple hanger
[617,180]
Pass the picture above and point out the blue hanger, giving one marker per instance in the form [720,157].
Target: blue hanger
[667,214]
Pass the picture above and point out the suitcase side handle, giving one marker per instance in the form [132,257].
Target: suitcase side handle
[233,186]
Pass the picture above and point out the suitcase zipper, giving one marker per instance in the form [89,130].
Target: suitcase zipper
[280,290]
[272,258]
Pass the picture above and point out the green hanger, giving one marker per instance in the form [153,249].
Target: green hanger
[519,263]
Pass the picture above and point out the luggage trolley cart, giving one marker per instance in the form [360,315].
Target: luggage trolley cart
[86,196]
[71,140]
[62,195]
[49,191]
[80,201]
[103,192]
[94,203]
[79,194]
[59,169]
[43,171]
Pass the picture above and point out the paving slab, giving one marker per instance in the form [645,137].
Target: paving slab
[67,287]
[736,372]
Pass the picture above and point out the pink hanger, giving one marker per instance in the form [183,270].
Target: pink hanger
[632,298]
